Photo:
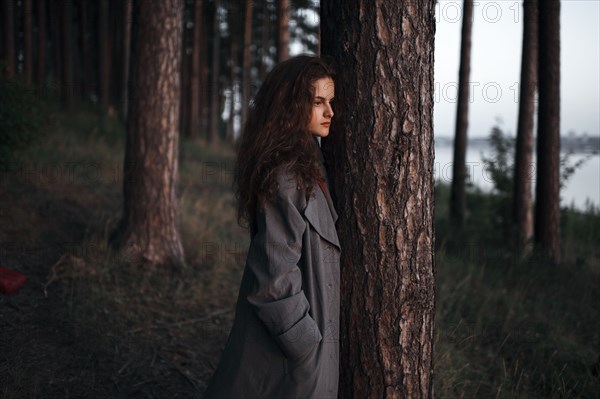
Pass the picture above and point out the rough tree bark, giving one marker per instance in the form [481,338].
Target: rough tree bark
[547,209]
[149,227]
[522,205]
[380,156]
[459,173]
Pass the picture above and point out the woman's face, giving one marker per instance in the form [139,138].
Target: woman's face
[320,117]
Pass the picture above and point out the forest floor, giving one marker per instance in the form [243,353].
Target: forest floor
[88,323]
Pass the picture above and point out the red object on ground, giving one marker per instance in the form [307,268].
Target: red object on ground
[10,280]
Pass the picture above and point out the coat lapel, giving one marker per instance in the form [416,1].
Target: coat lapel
[321,216]
[320,211]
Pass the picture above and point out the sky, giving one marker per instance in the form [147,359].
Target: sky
[496,65]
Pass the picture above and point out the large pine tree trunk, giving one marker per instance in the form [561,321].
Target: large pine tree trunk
[380,156]
[8,32]
[283,34]
[149,227]
[193,125]
[547,209]
[247,61]
[459,172]
[41,48]
[522,205]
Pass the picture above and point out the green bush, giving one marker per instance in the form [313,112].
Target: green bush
[500,166]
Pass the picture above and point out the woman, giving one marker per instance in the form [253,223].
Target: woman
[284,343]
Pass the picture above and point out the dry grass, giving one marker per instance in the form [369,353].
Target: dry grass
[516,328]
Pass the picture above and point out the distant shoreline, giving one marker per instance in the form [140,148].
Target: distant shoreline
[575,145]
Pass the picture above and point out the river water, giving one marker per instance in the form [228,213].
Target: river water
[583,186]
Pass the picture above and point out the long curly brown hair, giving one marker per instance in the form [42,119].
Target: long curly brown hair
[276,135]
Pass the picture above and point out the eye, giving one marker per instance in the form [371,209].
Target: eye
[318,103]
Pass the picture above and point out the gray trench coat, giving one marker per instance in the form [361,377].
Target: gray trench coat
[284,343]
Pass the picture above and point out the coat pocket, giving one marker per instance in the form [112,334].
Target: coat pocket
[302,338]
[303,369]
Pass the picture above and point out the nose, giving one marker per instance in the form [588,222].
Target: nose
[329,111]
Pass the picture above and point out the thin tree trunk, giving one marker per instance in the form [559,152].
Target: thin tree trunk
[283,36]
[221,105]
[318,40]
[54,19]
[149,228]
[522,206]
[380,151]
[9,39]
[127,5]
[233,31]
[28,41]
[214,95]
[203,122]
[459,173]
[87,85]
[77,47]
[246,66]
[115,34]
[41,48]
[193,125]
[67,52]
[232,110]
[105,61]
[185,76]
[547,210]
[264,50]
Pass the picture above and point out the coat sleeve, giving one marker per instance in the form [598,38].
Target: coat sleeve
[277,297]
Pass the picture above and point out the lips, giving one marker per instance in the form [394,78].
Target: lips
[326,124]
